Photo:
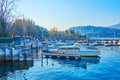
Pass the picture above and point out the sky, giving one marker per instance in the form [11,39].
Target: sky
[64,14]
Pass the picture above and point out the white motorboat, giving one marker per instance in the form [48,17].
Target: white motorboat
[78,49]
[54,47]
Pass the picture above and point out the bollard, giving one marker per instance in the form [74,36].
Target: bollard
[15,54]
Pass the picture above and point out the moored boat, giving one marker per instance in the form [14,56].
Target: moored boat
[78,49]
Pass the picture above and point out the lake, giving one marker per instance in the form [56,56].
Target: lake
[105,67]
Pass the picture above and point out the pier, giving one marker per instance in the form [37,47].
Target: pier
[105,40]
[62,56]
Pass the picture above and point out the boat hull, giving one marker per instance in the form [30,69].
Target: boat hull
[82,53]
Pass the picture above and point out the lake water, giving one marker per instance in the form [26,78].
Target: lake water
[105,67]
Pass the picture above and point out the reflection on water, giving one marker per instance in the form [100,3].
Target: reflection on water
[21,66]
[83,63]
[6,67]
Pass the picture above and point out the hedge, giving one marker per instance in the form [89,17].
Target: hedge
[6,39]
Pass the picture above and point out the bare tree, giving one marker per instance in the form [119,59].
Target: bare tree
[6,16]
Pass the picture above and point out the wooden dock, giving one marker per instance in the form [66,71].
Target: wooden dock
[62,56]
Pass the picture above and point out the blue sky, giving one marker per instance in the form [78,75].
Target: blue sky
[64,14]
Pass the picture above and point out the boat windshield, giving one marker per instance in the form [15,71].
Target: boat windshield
[69,48]
[60,44]
[80,46]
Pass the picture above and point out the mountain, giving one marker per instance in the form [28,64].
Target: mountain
[97,31]
[116,26]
